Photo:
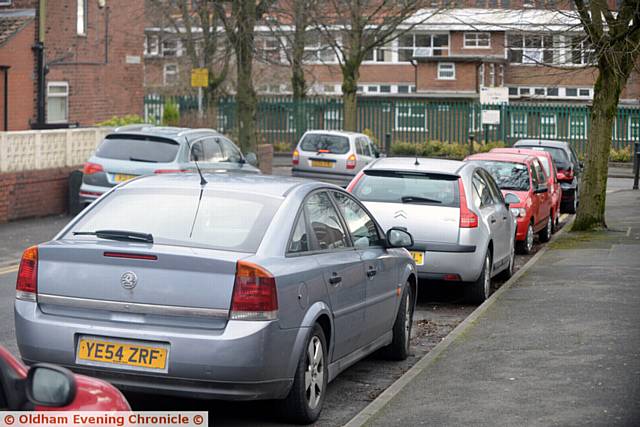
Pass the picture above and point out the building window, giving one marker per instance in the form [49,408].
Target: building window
[385,88]
[513,91]
[531,48]
[446,71]
[538,91]
[477,40]
[403,89]
[270,49]
[57,102]
[316,50]
[481,75]
[5,2]
[584,92]
[519,124]
[372,88]
[411,118]
[410,45]
[171,48]
[571,92]
[380,54]
[580,50]
[81,16]
[170,74]
[548,126]
[151,45]
[552,91]
[578,126]
[525,91]
[492,75]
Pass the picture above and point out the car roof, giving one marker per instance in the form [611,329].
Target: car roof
[172,132]
[542,143]
[269,185]
[334,132]
[522,152]
[501,157]
[425,164]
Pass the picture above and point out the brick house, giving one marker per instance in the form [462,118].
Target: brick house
[81,62]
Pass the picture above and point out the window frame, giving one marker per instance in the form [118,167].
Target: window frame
[176,73]
[301,212]
[64,84]
[476,39]
[442,50]
[82,16]
[452,70]
[147,44]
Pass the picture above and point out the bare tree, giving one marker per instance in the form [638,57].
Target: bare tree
[196,25]
[239,18]
[616,40]
[354,29]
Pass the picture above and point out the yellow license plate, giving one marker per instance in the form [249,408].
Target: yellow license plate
[122,177]
[104,352]
[418,257]
[322,164]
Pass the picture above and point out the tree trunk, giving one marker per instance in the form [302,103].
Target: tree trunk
[350,75]
[246,95]
[593,188]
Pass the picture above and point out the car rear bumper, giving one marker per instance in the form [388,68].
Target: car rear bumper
[458,259]
[568,191]
[89,193]
[245,360]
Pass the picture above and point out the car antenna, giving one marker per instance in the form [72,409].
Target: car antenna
[203,181]
[416,163]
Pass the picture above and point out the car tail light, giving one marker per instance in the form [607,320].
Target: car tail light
[451,278]
[351,161]
[170,171]
[27,282]
[354,181]
[565,174]
[254,293]
[295,160]
[467,218]
[91,168]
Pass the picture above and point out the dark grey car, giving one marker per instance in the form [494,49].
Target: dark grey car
[249,287]
[136,150]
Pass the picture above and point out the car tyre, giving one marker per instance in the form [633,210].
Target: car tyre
[480,290]
[526,246]
[545,234]
[304,402]
[573,207]
[401,343]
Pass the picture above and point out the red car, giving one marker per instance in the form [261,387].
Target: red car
[45,387]
[524,179]
[555,190]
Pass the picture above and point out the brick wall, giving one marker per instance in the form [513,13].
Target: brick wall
[17,53]
[427,78]
[102,84]
[33,193]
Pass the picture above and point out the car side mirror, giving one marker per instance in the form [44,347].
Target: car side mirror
[511,199]
[376,153]
[50,385]
[541,189]
[252,159]
[399,238]
[581,165]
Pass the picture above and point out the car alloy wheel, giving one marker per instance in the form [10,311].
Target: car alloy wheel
[314,375]
[487,276]
[407,320]
[529,241]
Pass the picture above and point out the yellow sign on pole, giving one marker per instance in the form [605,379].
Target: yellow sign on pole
[199,77]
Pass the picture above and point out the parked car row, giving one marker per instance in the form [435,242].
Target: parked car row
[198,276]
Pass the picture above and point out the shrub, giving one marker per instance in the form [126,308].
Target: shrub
[404,149]
[115,121]
[371,136]
[620,155]
[171,114]
[281,147]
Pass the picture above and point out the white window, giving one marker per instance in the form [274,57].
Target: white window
[535,48]
[81,16]
[5,2]
[409,45]
[269,48]
[446,71]
[171,48]
[316,50]
[519,124]
[477,40]
[548,126]
[151,45]
[170,74]
[492,75]
[481,75]
[380,54]
[411,117]
[57,102]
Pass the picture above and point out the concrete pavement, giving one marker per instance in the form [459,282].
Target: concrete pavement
[560,347]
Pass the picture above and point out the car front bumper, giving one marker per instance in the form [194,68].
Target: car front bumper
[244,361]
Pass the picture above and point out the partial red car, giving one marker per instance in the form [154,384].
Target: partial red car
[555,190]
[46,387]
[524,185]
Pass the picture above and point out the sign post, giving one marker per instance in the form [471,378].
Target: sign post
[492,96]
[199,79]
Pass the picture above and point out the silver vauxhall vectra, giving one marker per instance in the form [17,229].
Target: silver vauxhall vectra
[227,286]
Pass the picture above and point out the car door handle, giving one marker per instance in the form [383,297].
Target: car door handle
[335,279]
[371,272]
[493,220]
[504,218]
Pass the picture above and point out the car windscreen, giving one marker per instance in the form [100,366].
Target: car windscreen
[223,220]
[545,165]
[558,154]
[138,148]
[408,187]
[333,144]
[508,175]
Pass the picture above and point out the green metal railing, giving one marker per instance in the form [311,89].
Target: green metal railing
[281,120]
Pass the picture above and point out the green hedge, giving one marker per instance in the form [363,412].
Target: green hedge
[440,149]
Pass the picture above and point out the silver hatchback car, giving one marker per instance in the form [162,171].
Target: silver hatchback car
[246,287]
[136,150]
[463,229]
[334,156]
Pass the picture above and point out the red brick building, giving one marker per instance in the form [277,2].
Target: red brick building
[80,61]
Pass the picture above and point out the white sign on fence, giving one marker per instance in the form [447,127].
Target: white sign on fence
[490,117]
[494,95]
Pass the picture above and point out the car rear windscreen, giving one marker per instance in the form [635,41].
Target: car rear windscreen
[223,220]
[333,144]
[558,154]
[138,148]
[508,175]
[408,187]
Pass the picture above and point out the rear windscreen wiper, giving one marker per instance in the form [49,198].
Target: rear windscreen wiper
[124,236]
[135,159]
[416,199]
